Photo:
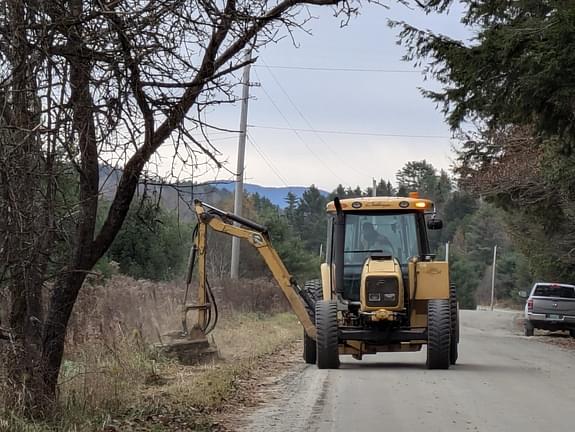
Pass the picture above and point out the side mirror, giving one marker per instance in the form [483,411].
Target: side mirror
[522,294]
[434,224]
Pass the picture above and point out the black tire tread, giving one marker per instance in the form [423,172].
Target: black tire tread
[438,334]
[313,289]
[454,312]
[309,349]
[327,334]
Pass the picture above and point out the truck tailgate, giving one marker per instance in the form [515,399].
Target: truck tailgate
[553,306]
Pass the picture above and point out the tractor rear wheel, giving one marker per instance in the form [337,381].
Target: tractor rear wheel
[309,349]
[327,343]
[454,310]
[438,334]
[313,290]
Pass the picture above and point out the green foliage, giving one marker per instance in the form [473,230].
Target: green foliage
[311,219]
[465,274]
[518,69]
[475,236]
[301,261]
[513,275]
[418,176]
[152,243]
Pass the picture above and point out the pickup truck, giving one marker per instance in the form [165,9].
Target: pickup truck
[551,307]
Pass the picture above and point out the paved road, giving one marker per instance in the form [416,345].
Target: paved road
[503,382]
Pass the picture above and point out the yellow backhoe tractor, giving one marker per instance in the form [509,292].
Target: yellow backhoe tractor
[380,289]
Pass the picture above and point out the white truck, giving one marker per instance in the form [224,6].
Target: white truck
[550,306]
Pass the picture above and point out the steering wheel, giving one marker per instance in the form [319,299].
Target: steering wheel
[387,246]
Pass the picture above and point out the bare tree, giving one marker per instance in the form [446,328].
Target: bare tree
[84,83]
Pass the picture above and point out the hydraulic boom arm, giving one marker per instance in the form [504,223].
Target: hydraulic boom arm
[257,235]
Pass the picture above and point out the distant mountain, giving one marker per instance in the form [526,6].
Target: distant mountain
[180,197]
[276,195]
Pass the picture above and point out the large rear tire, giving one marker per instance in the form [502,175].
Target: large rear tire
[327,334]
[454,340]
[309,349]
[438,334]
[313,290]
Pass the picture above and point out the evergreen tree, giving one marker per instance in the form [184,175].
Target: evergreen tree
[418,176]
[311,217]
[402,191]
[443,188]
[152,243]
[290,211]
[339,192]
[384,188]
[517,71]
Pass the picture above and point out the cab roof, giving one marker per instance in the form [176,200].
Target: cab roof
[382,203]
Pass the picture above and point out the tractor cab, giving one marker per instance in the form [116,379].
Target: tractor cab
[371,242]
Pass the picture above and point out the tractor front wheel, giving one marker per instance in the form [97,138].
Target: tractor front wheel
[327,342]
[438,334]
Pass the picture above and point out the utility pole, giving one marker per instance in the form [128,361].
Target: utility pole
[493,276]
[447,252]
[239,190]
[374,191]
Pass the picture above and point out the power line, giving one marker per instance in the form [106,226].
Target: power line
[295,131]
[337,69]
[267,161]
[343,132]
[293,104]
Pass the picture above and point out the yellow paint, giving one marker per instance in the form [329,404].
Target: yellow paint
[382,203]
[325,281]
[263,245]
[385,268]
[432,280]
[411,275]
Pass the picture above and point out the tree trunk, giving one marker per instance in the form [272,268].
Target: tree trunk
[23,220]
[59,311]
[82,260]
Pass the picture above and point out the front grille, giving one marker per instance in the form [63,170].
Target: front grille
[382,291]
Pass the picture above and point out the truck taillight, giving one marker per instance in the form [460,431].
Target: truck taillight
[530,304]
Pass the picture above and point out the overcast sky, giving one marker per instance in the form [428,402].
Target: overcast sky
[376,103]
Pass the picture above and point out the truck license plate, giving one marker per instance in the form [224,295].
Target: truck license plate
[553,316]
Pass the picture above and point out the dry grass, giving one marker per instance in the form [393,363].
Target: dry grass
[111,380]
[246,343]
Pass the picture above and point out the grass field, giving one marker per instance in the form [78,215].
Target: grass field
[112,380]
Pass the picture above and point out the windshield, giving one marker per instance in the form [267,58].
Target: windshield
[564,291]
[384,234]
[380,234]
